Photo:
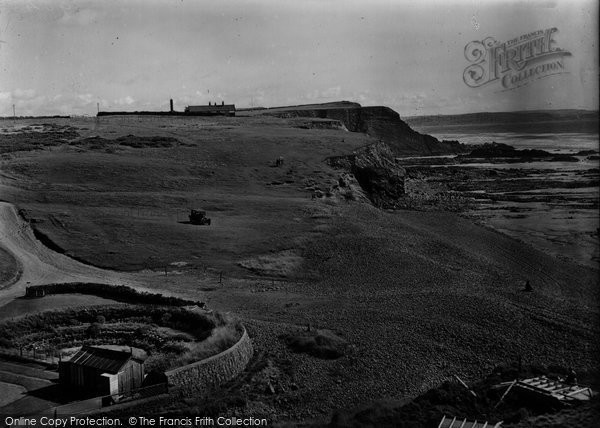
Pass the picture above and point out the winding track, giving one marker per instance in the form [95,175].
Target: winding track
[40,265]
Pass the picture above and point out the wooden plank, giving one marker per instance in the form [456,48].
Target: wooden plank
[505,393]
[580,390]
[465,385]
[442,421]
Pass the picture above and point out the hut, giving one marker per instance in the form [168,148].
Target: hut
[101,371]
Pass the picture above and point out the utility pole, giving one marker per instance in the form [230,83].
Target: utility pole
[98,107]
[14,114]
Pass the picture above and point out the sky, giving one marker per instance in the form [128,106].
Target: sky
[65,57]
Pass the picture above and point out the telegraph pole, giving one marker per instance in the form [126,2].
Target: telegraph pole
[14,114]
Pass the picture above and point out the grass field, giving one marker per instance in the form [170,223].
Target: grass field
[126,210]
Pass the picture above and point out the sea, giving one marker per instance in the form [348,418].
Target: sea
[561,218]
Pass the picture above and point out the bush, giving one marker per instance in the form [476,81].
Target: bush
[321,343]
[166,317]
[175,348]
[120,293]
[93,330]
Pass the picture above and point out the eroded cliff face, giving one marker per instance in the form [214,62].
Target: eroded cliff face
[379,122]
[385,124]
[375,169]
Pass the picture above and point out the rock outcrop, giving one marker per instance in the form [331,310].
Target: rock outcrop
[375,169]
[500,150]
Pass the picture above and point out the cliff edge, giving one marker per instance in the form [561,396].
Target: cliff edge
[379,122]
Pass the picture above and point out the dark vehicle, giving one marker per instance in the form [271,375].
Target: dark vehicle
[199,217]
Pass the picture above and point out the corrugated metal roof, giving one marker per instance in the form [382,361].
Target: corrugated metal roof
[106,360]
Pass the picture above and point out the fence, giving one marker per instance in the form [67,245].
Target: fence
[97,403]
[46,356]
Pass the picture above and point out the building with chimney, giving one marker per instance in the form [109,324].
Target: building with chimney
[211,110]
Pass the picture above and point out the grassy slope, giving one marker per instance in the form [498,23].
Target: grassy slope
[421,295]
[9,268]
[121,210]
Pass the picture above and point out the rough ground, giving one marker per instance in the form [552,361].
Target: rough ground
[37,264]
[419,296]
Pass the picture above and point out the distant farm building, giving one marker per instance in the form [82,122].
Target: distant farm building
[211,110]
[100,371]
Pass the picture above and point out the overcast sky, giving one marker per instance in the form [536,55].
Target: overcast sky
[63,57]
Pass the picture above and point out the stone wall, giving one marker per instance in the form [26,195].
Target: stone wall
[213,371]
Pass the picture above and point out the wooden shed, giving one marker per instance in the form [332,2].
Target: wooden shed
[101,371]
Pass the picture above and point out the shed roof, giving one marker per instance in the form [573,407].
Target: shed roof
[556,388]
[106,360]
[453,422]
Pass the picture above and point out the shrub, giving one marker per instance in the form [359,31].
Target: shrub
[321,343]
[166,317]
[142,331]
[174,348]
[120,293]
[93,330]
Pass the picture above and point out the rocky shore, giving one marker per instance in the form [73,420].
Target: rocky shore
[548,200]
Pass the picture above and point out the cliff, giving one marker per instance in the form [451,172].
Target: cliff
[375,170]
[380,122]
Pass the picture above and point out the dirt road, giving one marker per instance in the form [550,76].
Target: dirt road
[39,265]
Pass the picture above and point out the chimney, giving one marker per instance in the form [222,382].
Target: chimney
[209,103]
[171,105]
[222,103]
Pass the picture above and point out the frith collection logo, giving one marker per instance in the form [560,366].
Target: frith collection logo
[516,62]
